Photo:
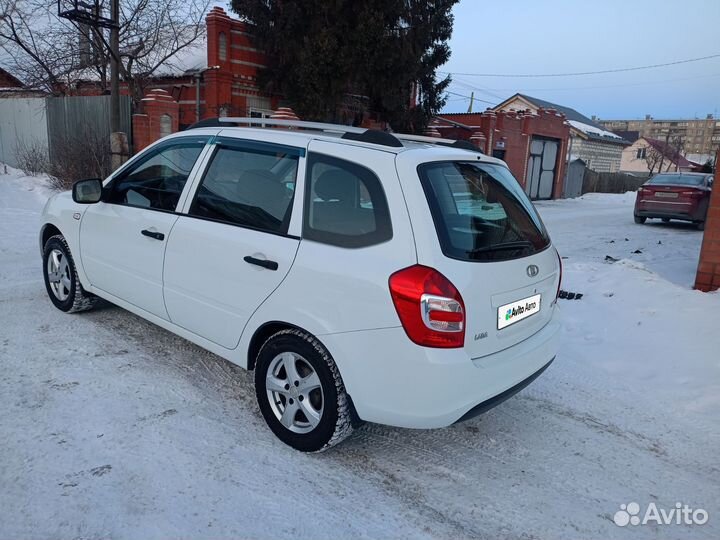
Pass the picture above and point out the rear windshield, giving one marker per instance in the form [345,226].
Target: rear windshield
[677,180]
[480,212]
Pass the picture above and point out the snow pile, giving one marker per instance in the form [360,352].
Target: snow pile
[39,184]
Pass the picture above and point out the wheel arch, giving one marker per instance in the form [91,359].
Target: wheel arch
[46,232]
[262,333]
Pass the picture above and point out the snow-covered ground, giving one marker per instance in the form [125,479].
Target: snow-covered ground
[113,428]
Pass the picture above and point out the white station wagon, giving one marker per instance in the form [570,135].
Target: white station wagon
[362,275]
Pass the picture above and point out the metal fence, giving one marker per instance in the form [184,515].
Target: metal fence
[22,122]
[72,119]
[57,123]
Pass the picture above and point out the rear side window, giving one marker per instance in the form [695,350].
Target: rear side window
[345,204]
[480,212]
[251,187]
[157,180]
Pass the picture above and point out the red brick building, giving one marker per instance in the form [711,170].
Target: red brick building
[534,145]
[220,81]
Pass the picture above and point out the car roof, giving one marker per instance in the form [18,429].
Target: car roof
[431,147]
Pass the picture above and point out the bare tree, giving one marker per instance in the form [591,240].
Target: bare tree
[51,53]
[663,154]
[653,158]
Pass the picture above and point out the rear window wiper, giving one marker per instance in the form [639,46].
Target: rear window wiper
[506,246]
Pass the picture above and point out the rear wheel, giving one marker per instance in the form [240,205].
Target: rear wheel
[300,392]
[700,225]
[61,279]
[640,219]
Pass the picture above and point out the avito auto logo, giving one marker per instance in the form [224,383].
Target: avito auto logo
[519,310]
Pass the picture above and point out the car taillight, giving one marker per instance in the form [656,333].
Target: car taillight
[430,308]
[557,294]
[693,193]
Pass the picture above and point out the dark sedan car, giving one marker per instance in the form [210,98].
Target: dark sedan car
[669,196]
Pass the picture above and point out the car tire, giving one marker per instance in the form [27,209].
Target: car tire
[300,392]
[700,225]
[61,278]
[640,220]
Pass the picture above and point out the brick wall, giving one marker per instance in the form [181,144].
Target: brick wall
[161,113]
[512,132]
[708,273]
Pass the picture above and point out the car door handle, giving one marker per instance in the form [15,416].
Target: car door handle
[153,234]
[270,265]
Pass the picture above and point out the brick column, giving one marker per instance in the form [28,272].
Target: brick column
[147,127]
[708,273]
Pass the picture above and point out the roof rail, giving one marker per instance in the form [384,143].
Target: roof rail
[348,132]
[452,143]
[317,126]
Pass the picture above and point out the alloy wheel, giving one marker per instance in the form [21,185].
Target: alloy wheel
[294,392]
[58,272]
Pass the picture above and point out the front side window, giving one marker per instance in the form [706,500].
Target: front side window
[480,212]
[345,204]
[249,186]
[157,180]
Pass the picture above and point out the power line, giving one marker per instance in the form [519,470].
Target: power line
[471,86]
[468,97]
[579,73]
[626,85]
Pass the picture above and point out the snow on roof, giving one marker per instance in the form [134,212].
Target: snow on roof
[190,58]
[592,130]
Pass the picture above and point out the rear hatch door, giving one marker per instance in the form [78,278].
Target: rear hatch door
[490,243]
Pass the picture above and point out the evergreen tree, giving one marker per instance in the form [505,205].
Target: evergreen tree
[320,51]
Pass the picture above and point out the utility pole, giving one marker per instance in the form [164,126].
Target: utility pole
[114,70]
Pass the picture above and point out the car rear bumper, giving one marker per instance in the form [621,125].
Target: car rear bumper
[669,209]
[396,382]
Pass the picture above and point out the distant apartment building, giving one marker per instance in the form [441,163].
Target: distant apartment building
[698,136]
[600,149]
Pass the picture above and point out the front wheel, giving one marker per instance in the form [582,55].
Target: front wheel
[300,392]
[61,279]
[640,220]
[700,225]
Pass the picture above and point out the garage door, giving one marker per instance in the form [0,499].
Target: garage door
[541,168]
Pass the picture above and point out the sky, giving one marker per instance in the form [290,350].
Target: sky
[569,36]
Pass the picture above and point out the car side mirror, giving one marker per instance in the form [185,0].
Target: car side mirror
[87,191]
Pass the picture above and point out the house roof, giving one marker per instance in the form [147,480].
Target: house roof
[579,121]
[670,152]
[11,81]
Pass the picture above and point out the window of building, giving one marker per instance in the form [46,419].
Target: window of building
[157,180]
[345,204]
[641,153]
[222,46]
[249,184]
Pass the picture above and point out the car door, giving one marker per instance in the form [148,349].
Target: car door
[231,249]
[123,237]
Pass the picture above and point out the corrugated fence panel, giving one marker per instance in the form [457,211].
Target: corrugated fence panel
[78,117]
[22,121]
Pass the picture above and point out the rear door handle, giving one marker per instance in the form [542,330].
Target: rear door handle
[270,265]
[153,234]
